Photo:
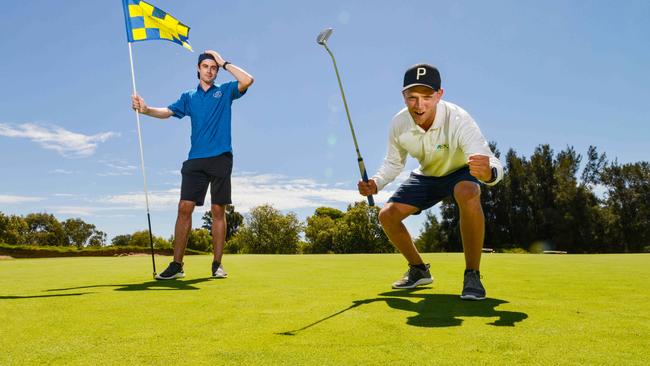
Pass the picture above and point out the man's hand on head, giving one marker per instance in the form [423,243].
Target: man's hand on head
[217,57]
[479,167]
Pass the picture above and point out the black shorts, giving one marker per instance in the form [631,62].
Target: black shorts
[423,192]
[198,173]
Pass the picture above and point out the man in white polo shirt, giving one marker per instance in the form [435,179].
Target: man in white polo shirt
[454,160]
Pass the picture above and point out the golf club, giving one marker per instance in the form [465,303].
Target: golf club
[322,40]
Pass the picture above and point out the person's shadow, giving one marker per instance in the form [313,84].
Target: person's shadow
[163,285]
[445,310]
[435,310]
[147,286]
[18,297]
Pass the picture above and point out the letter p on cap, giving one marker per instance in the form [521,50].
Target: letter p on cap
[420,72]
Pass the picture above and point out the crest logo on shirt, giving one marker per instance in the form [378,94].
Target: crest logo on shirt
[442,147]
[217,94]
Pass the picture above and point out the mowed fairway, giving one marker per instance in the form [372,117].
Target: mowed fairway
[325,310]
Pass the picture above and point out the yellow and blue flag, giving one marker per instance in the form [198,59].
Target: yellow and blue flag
[145,22]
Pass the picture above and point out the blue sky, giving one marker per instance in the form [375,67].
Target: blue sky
[558,72]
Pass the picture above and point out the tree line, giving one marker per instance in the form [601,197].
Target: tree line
[45,229]
[264,230]
[541,204]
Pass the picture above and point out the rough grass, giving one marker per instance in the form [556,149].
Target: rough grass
[325,310]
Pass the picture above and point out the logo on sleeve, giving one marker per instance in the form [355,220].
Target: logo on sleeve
[217,94]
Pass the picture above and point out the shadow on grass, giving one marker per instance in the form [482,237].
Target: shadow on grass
[37,296]
[147,286]
[434,310]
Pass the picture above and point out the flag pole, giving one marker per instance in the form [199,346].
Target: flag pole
[144,174]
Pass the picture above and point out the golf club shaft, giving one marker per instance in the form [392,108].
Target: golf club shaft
[362,166]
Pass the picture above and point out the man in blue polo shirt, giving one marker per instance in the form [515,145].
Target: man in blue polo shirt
[210,157]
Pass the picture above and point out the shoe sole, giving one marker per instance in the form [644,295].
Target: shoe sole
[177,275]
[220,276]
[472,297]
[420,282]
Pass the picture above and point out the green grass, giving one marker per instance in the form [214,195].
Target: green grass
[325,310]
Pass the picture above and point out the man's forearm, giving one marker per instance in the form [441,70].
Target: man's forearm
[386,174]
[393,163]
[244,79]
[158,112]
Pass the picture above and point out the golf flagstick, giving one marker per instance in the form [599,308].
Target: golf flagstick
[322,40]
[144,174]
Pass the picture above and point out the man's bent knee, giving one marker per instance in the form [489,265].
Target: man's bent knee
[393,213]
[466,191]
[385,216]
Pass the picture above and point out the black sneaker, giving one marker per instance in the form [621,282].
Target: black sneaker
[218,271]
[414,277]
[472,287]
[174,270]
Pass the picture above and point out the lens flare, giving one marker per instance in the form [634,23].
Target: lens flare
[331,140]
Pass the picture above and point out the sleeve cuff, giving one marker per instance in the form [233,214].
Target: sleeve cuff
[175,113]
[379,182]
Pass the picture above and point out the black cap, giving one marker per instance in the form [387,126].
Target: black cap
[205,56]
[424,75]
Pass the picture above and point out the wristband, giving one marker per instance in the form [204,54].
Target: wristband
[224,65]
[495,174]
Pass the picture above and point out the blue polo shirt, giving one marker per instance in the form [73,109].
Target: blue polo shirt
[211,118]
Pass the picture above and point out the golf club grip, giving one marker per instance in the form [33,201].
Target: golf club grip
[364,176]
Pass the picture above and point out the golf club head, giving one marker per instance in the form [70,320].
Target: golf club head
[324,36]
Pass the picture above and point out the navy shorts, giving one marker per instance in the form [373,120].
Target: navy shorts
[424,192]
[199,173]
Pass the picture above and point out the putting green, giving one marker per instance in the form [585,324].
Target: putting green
[325,310]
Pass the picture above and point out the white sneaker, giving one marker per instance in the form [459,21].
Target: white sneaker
[414,277]
[218,271]
[174,270]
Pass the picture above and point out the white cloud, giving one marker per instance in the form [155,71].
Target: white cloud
[61,171]
[9,199]
[87,211]
[250,190]
[117,168]
[157,199]
[74,210]
[66,143]
[286,193]
[294,196]
[176,172]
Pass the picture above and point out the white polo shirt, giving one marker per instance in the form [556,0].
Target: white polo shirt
[441,150]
